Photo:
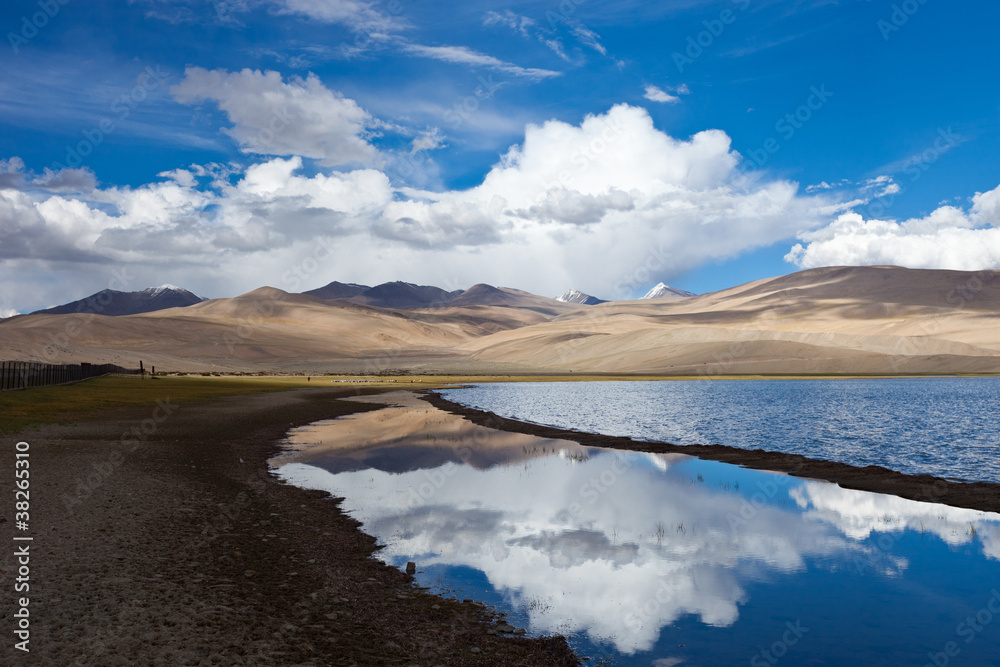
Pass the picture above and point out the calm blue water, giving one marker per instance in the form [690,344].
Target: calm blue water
[947,427]
[664,560]
[642,558]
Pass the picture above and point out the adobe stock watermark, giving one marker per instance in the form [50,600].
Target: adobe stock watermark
[463,109]
[595,487]
[581,160]
[650,609]
[276,124]
[773,654]
[566,10]
[698,43]
[100,472]
[971,289]
[909,345]
[32,24]
[294,279]
[436,478]
[457,115]
[915,167]
[225,10]
[879,559]
[149,80]
[390,356]
[120,279]
[657,259]
[787,126]
[758,500]
[900,16]
[969,629]
[220,523]
[378,25]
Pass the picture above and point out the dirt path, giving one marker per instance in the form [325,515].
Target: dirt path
[168,549]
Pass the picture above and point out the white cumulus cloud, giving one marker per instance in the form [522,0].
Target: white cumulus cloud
[273,117]
[947,238]
[586,204]
[607,205]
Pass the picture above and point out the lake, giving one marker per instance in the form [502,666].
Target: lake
[660,560]
[946,427]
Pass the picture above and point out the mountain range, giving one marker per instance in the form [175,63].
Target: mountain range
[387,295]
[842,320]
[115,303]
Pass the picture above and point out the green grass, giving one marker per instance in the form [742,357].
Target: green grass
[42,405]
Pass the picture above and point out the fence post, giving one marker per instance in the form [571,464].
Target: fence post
[29,374]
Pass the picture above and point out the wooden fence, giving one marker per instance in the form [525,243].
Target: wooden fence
[25,374]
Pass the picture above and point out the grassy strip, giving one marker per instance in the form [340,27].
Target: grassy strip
[41,405]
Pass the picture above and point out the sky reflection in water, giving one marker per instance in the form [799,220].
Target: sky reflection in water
[638,554]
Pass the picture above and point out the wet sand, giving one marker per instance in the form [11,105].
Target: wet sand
[180,548]
[978,496]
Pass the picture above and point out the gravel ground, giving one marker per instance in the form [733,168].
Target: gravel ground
[161,539]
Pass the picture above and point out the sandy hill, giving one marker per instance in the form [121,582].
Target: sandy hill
[486,295]
[840,319]
[830,320]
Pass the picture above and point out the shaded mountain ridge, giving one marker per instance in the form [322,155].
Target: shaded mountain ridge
[117,304]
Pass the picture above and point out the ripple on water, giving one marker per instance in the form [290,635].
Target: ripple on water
[947,427]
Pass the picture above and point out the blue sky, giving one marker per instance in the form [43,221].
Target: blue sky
[604,146]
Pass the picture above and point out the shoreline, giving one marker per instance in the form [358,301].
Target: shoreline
[180,547]
[432,378]
[983,496]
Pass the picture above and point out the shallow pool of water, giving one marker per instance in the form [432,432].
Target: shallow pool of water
[663,559]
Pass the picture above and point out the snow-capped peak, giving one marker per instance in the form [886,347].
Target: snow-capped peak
[576,296]
[166,287]
[570,296]
[663,290]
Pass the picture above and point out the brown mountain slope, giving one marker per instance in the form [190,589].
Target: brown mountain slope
[840,319]
[266,329]
[831,320]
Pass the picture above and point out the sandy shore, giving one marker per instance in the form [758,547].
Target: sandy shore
[178,547]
